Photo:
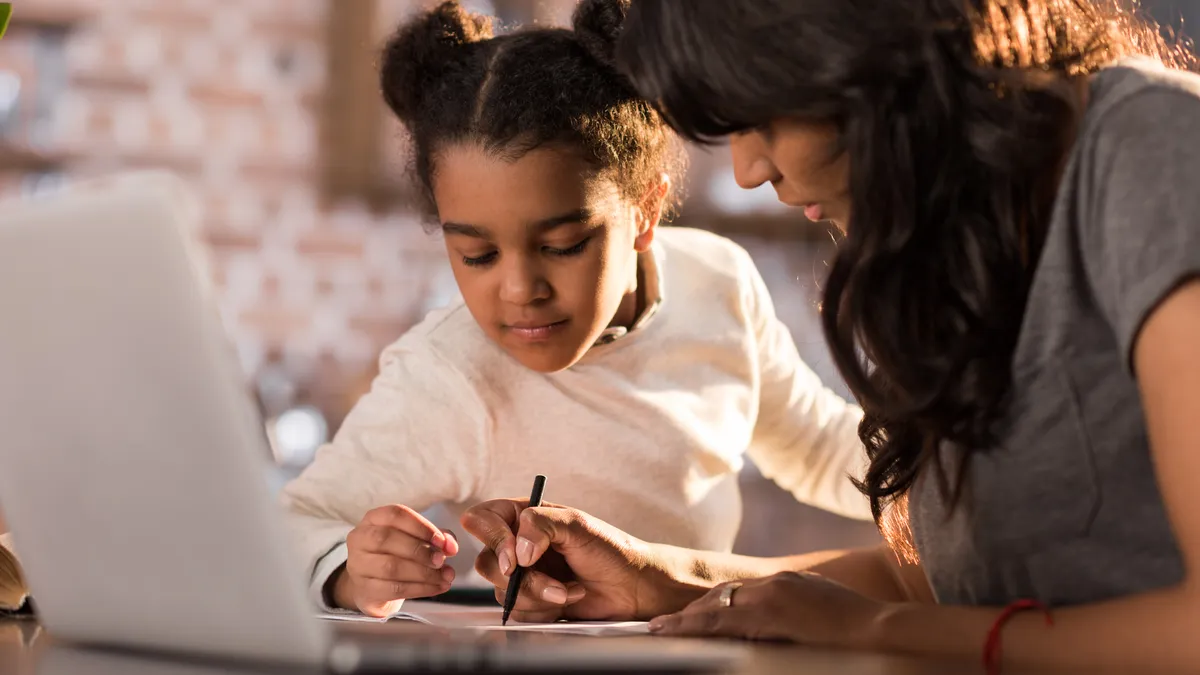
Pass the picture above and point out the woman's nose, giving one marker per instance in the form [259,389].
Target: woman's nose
[752,165]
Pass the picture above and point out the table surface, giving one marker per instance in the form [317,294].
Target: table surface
[27,649]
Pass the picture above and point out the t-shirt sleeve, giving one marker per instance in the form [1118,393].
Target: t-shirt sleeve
[1141,237]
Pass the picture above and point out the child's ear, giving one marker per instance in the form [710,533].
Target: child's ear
[649,212]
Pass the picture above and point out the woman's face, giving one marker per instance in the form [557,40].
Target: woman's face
[802,162]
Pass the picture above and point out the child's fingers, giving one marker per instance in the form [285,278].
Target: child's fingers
[390,541]
[383,567]
[408,521]
[377,592]
[451,547]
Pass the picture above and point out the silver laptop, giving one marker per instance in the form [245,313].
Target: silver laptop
[134,468]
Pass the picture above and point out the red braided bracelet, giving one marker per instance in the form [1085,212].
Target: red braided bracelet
[991,648]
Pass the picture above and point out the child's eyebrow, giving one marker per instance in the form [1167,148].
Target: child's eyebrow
[540,226]
[465,230]
[576,216]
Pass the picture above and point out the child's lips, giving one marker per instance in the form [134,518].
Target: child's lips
[536,331]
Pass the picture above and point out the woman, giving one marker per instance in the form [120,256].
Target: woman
[1019,273]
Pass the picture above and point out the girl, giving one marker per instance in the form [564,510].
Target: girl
[1016,305]
[633,365]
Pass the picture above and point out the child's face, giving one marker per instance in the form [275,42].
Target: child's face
[543,252]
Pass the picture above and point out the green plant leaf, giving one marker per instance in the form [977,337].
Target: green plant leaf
[5,12]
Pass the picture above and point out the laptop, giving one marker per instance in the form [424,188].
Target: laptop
[134,469]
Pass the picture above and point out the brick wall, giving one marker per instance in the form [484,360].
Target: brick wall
[227,93]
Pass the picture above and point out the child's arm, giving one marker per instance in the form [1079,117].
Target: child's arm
[417,438]
[806,436]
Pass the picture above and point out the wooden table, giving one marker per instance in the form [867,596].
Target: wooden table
[25,649]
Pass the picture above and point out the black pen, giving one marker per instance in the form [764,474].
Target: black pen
[514,582]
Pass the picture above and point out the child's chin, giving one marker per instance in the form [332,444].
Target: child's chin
[546,359]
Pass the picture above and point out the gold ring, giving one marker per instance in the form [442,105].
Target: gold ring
[725,599]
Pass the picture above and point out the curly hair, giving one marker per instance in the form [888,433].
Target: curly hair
[955,116]
[451,81]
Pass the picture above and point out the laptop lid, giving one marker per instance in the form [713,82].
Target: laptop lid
[133,467]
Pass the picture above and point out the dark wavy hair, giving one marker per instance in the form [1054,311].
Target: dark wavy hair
[955,115]
[450,80]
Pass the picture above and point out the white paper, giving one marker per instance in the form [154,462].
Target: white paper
[489,619]
[402,616]
[593,628]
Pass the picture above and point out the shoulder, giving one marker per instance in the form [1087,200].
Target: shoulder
[1136,152]
[447,348]
[704,257]
[1135,196]
[1142,104]
[1137,144]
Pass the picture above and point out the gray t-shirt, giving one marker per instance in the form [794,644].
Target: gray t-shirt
[1067,509]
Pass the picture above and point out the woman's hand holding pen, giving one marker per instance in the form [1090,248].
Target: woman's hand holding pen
[581,568]
[393,554]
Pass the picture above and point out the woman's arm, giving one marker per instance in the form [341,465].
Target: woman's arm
[1153,629]
[583,568]
[875,572]
[1150,630]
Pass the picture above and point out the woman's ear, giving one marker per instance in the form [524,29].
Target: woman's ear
[649,212]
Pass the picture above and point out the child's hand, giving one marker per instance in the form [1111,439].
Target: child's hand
[394,553]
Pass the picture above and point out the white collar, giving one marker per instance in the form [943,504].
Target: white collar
[650,263]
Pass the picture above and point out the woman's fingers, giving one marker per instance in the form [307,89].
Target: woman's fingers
[698,622]
[545,526]
[492,523]
[732,609]
[548,616]
[540,592]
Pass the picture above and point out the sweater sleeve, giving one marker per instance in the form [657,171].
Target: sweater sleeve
[417,438]
[805,436]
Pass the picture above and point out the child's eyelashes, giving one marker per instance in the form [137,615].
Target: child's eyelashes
[480,261]
[490,257]
[574,250]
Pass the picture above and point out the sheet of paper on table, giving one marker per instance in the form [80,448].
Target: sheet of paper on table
[488,619]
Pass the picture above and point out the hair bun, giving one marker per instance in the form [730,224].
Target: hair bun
[597,24]
[422,50]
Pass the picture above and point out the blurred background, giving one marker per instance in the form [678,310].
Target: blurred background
[270,109]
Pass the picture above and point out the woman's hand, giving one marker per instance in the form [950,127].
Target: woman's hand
[796,607]
[580,567]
